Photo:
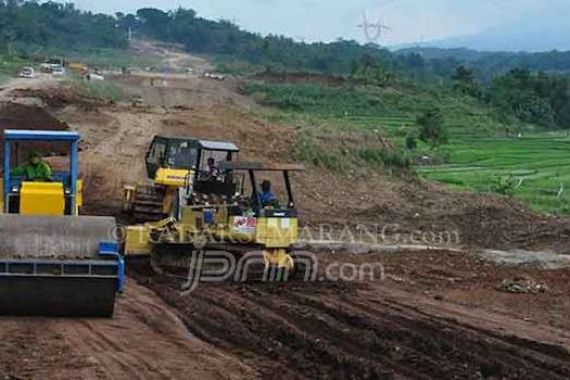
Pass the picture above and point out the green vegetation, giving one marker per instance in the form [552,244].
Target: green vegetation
[241,51]
[102,90]
[30,27]
[391,111]
[31,31]
[483,152]
[308,150]
[432,128]
[533,98]
[332,101]
[535,168]
[340,159]
[487,65]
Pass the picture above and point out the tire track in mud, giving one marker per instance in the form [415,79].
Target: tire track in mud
[339,331]
[145,340]
[30,348]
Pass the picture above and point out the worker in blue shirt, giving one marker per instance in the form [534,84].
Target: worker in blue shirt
[266,196]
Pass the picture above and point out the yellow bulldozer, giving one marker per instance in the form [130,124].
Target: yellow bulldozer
[53,262]
[171,164]
[229,212]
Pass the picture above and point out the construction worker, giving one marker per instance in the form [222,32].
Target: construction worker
[35,169]
[212,169]
[266,196]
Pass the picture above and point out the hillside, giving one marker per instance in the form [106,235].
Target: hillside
[488,64]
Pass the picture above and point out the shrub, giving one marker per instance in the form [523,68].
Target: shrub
[101,90]
[505,185]
[381,157]
[432,127]
[411,142]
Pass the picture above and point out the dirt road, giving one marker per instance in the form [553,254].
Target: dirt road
[145,340]
[370,330]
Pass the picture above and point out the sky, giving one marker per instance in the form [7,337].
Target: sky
[409,21]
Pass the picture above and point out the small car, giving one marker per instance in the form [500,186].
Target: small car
[58,71]
[28,72]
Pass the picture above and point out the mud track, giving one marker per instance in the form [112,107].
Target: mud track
[144,340]
[341,331]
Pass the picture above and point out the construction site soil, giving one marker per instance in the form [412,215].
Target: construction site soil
[434,314]
[336,330]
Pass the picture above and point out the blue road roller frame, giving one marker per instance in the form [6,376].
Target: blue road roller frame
[12,184]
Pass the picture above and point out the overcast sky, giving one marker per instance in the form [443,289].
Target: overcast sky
[327,20]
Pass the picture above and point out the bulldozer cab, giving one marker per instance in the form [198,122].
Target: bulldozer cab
[186,154]
[60,195]
[257,195]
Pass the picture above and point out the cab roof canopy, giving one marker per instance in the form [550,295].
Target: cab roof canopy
[204,144]
[40,135]
[218,145]
[259,166]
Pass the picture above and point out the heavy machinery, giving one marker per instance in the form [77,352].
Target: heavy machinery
[171,164]
[53,262]
[220,214]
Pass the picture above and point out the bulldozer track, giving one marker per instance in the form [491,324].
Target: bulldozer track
[148,204]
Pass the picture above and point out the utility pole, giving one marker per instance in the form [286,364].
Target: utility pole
[372,30]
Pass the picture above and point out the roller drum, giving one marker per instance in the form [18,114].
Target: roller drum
[49,237]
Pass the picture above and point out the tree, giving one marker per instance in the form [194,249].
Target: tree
[432,127]
[411,143]
[154,22]
[543,99]
[30,26]
[464,81]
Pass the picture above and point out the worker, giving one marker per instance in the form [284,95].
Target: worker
[35,169]
[212,169]
[266,196]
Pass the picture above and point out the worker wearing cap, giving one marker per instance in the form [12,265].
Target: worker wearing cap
[35,169]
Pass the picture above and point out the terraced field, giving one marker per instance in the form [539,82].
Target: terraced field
[539,167]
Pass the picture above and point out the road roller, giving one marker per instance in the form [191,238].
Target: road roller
[53,262]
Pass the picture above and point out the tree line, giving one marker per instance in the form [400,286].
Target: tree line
[532,97]
[28,26]
[542,98]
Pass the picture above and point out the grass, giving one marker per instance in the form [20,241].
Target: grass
[113,58]
[479,157]
[102,90]
[538,164]
[391,111]
[4,78]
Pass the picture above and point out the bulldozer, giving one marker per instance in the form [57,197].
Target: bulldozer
[53,262]
[220,214]
[171,164]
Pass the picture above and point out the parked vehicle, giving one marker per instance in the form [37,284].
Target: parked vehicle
[28,72]
[58,71]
